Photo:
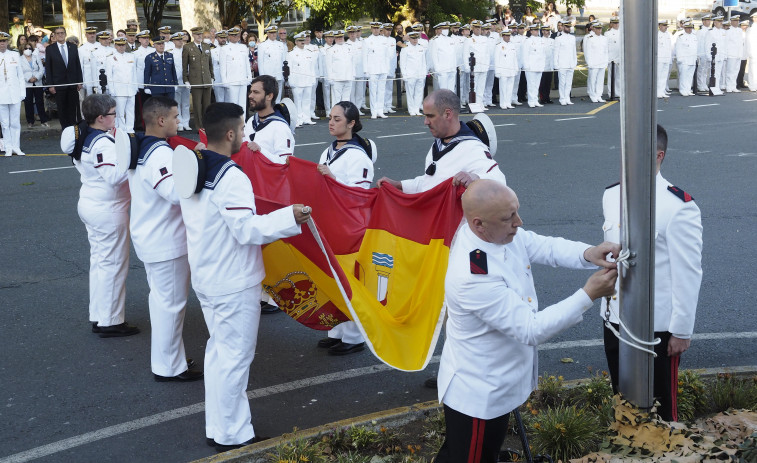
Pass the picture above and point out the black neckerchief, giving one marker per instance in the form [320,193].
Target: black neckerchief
[333,154]
[439,148]
[259,123]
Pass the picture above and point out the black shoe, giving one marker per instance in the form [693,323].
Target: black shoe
[188,375]
[328,342]
[550,102]
[190,363]
[225,448]
[124,329]
[210,442]
[343,348]
[95,328]
[267,308]
[430,383]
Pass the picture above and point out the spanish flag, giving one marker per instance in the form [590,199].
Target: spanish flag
[377,256]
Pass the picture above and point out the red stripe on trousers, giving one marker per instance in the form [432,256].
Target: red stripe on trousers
[477,440]
[674,361]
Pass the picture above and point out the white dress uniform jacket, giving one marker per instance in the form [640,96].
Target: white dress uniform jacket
[480,47]
[139,55]
[534,54]
[596,51]
[506,60]
[375,55]
[302,65]
[678,256]
[121,69]
[686,49]
[338,62]
[489,364]
[442,54]
[271,56]
[464,152]
[99,58]
[565,56]
[85,59]
[613,39]
[12,79]
[273,135]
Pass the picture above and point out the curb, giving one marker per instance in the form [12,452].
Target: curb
[256,453]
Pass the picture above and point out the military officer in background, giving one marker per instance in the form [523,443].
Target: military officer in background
[355,45]
[534,57]
[614,70]
[235,72]
[413,68]
[182,92]
[13,92]
[165,34]
[704,59]
[506,68]
[751,37]
[271,56]
[597,55]
[376,56]
[131,41]
[735,38]
[197,71]
[85,59]
[489,362]
[219,88]
[479,46]
[328,38]
[99,57]
[121,69]
[518,38]
[340,71]
[566,60]
[664,58]
[442,57]
[160,69]
[302,65]
[392,56]
[494,39]
[686,58]
[315,50]
[545,83]
[678,277]
[144,49]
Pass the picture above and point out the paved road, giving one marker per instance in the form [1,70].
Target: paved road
[68,396]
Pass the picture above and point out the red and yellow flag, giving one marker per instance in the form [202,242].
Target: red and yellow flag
[377,256]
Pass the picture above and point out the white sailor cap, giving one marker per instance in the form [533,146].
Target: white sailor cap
[735,17]
[744,23]
[417,26]
[164,29]
[270,29]
[375,24]
[476,23]
[177,36]
[663,22]
[688,23]
[442,25]
[615,20]
[707,16]
[414,35]
[505,32]
[718,17]
[300,36]
[234,31]
[454,24]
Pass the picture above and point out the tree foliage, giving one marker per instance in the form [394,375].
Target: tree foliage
[153,11]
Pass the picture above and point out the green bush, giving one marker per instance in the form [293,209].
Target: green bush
[730,392]
[691,396]
[565,432]
[298,450]
[550,391]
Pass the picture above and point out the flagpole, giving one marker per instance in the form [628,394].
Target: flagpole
[638,139]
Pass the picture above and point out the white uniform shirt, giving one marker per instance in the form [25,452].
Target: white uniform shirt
[489,364]
[85,59]
[565,56]
[349,164]
[506,60]
[413,62]
[686,49]
[596,51]
[517,40]
[549,53]
[664,47]
[375,55]
[234,65]
[271,56]
[480,47]
[215,59]
[157,229]
[703,50]
[177,64]
[121,69]
[613,43]
[12,80]
[678,257]
[469,155]
[99,58]
[718,37]
[339,66]
[534,54]
[224,234]
[751,43]
[102,185]
[274,137]
[356,48]
[735,38]
[302,66]
[140,56]
[441,51]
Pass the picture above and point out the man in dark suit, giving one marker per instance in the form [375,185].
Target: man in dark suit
[160,69]
[62,66]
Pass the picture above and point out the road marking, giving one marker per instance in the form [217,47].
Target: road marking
[310,144]
[401,135]
[704,105]
[55,154]
[40,170]
[755,99]
[574,118]
[152,420]
[502,125]
[604,106]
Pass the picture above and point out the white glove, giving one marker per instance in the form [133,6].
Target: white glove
[148,91]
[187,85]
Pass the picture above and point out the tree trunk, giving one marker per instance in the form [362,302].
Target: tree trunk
[32,9]
[5,15]
[120,11]
[74,17]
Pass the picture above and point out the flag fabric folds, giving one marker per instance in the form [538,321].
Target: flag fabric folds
[375,256]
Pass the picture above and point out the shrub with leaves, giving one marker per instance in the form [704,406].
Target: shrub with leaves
[550,391]
[691,396]
[434,431]
[297,450]
[565,432]
[731,392]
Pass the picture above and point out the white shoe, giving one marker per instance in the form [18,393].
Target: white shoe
[8,154]
[601,101]
[360,112]
[19,152]
[365,107]
[736,90]
[531,105]
[516,103]
[503,106]
[563,103]
[391,111]
[313,116]
[374,116]
[382,116]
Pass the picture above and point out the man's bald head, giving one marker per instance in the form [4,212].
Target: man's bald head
[491,210]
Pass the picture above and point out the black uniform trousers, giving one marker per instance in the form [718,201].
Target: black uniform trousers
[740,75]
[545,86]
[67,102]
[665,369]
[522,87]
[472,440]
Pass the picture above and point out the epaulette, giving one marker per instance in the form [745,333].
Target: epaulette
[685,197]
[612,186]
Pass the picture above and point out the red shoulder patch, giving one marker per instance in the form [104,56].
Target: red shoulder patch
[682,195]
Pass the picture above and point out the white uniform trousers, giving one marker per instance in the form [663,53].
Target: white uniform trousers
[348,332]
[389,85]
[662,78]
[326,88]
[414,93]
[357,92]
[220,93]
[506,91]
[302,102]
[685,78]
[595,83]
[719,66]
[516,83]
[751,76]
[10,121]
[182,97]
[703,73]
[618,72]
[125,113]
[281,90]
[232,321]
[565,76]
[447,80]
[377,89]
[732,66]
[313,90]
[169,287]
[667,77]
[238,94]
[108,234]
[479,83]
[533,79]
[723,68]
[341,91]
[489,86]
[464,87]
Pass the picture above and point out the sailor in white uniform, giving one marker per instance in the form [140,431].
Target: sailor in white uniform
[686,56]
[340,70]
[506,68]
[597,54]
[235,70]
[479,45]
[104,208]
[376,65]
[182,91]
[99,58]
[664,58]
[85,59]
[534,57]
[219,86]
[413,68]
[267,130]
[443,60]
[614,54]
[224,235]
[566,60]
[355,44]
[489,363]
[704,59]
[12,92]
[302,66]
[271,56]
[121,69]
[736,41]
